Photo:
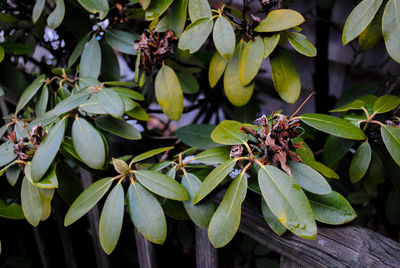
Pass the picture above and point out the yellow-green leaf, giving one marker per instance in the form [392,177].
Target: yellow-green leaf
[251,60]
[199,9]
[228,132]
[391,28]
[270,43]
[150,153]
[157,8]
[279,20]
[301,44]
[31,202]
[391,139]
[373,33]
[271,219]
[216,69]
[360,163]
[385,104]
[224,37]
[196,34]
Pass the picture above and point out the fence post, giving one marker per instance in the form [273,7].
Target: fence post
[145,251]
[206,254]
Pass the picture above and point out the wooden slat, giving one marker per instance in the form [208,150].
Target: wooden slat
[146,251]
[206,254]
[288,263]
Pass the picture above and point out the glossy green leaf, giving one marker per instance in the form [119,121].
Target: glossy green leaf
[237,94]
[279,20]
[150,153]
[30,92]
[324,170]
[287,201]
[31,202]
[214,156]
[7,153]
[331,208]
[391,208]
[47,150]
[386,103]
[308,178]
[96,6]
[391,28]
[270,43]
[41,105]
[125,92]
[111,102]
[333,125]
[355,105]
[122,41]
[195,34]
[139,114]
[37,10]
[157,8]
[76,53]
[177,17]
[109,69]
[11,210]
[161,184]
[88,143]
[360,163]
[111,218]
[86,200]
[57,15]
[202,212]
[271,219]
[197,135]
[285,75]
[69,184]
[369,101]
[199,9]
[216,69]
[92,105]
[146,214]
[251,60]
[70,103]
[224,37]
[228,132]
[359,19]
[371,35]
[12,174]
[169,93]
[214,179]
[188,83]
[391,139]
[118,127]
[335,149]
[91,59]
[301,44]
[49,180]
[375,175]
[226,219]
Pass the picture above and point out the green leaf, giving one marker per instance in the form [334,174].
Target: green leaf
[139,114]
[177,17]
[128,93]
[169,93]
[202,212]
[49,180]
[87,199]
[287,201]
[392,209]
[270,43]
[109,69]
[301,44]
[375,174]
[285,75]
[150,153]
[2,53]
[279,20]
[214,156]
[391,139]
[88,143]
[47,150]
[145,3]
[92,105]
[146,214]
[188,83]
[324,170]
[333,125]
[391,28]
[199,9]
[360,163]
[111,218]
[331,208]
[111,102]
[195,34]
[46,196]
[356,92]
[226,219]
[76,53]
[69,185]
[7,153]
[11,210]
[214,179]
[30,92]
[37,10]
[4,17]
[308,178]
[70,103]
[56,17]
[216,69]
[197,135]
[355,105]
[371,35]
[228,132]
[41,105]
[359,19]
[335,149]
[237,94]
[91,59]
[157,8]
[251,60]
[12,174]
[118,127]
[122,41]
[31,202]
[271,219]
[224,37]
[161,184]
[96,6]
[305,152]
[385,104]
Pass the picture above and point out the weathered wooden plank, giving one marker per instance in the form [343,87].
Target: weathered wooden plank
[146,252]
[206,254]
[288,263]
